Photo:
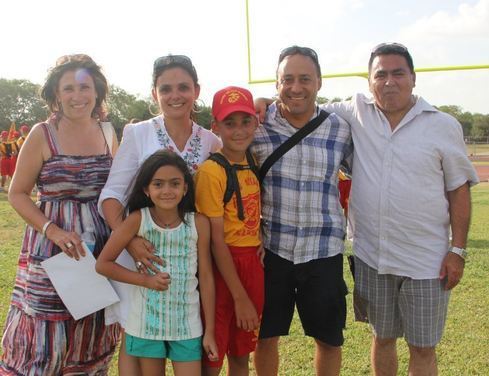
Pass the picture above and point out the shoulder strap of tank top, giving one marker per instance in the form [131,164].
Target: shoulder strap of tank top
[50,138]
[108,132]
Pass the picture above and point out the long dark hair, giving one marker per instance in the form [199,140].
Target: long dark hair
[138,199]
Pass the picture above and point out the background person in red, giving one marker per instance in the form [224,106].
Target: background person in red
[8,149]
[24,131]
[344,186]
[15,145]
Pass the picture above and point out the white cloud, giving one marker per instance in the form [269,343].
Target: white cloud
[451,39]
[125,41]
[469,21]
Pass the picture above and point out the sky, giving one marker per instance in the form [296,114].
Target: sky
[126,37]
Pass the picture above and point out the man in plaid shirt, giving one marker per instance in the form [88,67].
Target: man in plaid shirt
[303,222]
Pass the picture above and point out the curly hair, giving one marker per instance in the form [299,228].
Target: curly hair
[73,63]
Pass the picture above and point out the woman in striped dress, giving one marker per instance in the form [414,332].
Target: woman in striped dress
[69,159]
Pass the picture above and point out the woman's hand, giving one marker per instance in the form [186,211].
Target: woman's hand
[159,281]
[69,242]
[142,251]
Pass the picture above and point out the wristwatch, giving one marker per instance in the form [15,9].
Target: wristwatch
[459,251]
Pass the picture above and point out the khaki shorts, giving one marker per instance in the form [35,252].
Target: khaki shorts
[399,306]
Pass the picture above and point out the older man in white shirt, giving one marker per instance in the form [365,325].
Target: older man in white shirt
[411,180]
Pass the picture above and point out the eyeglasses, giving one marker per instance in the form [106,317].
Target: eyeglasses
[293,50]
[163,61]
[389,47]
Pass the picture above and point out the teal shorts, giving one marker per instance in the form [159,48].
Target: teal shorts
[185,350]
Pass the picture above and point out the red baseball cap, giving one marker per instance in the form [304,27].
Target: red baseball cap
[232,99]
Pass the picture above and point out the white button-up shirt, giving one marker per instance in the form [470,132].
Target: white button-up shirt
[141,140]
[398,205]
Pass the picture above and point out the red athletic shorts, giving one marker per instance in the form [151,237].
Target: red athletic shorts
[230,339]
[6,166]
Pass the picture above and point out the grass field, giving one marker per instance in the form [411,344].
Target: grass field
[464,349]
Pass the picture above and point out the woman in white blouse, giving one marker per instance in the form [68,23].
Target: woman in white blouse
[175,90]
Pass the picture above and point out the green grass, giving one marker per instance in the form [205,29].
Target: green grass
[464,349]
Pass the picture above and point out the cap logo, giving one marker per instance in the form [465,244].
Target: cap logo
[233,96]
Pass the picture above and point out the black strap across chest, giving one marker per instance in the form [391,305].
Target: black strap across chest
[291,142]
[232,183]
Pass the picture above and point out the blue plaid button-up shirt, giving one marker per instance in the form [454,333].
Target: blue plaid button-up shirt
[301,213]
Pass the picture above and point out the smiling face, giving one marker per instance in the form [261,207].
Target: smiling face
[298,84]
[76,94]
[175,92]
[167,188]
[391,82]
[237,131]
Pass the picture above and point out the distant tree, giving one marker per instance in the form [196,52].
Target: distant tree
[322,100]
[124,106]
[464,118]
[203,116]
[480,126]
[20,102]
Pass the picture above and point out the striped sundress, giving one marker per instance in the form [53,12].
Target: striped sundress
[40,336]
[173,314]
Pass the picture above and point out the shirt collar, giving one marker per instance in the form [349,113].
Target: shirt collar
[274,115]
[420,105]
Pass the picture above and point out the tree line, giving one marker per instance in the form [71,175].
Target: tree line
[20,103]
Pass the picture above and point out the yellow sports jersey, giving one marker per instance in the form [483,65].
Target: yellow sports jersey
[20,141]
[210,186]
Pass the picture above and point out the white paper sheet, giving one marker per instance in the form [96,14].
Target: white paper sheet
[119,311]
[80,287]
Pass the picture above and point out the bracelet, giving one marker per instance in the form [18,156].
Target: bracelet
[45,227]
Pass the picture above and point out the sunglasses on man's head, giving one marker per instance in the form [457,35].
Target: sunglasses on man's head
[306,51]
[396,47]
[163,61]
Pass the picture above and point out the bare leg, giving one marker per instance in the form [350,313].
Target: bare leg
[266,357]
[238,365]
[327,359]
[186,368]
[422,361]
[128,365]
[211,371]
[152,366]
[384,356]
